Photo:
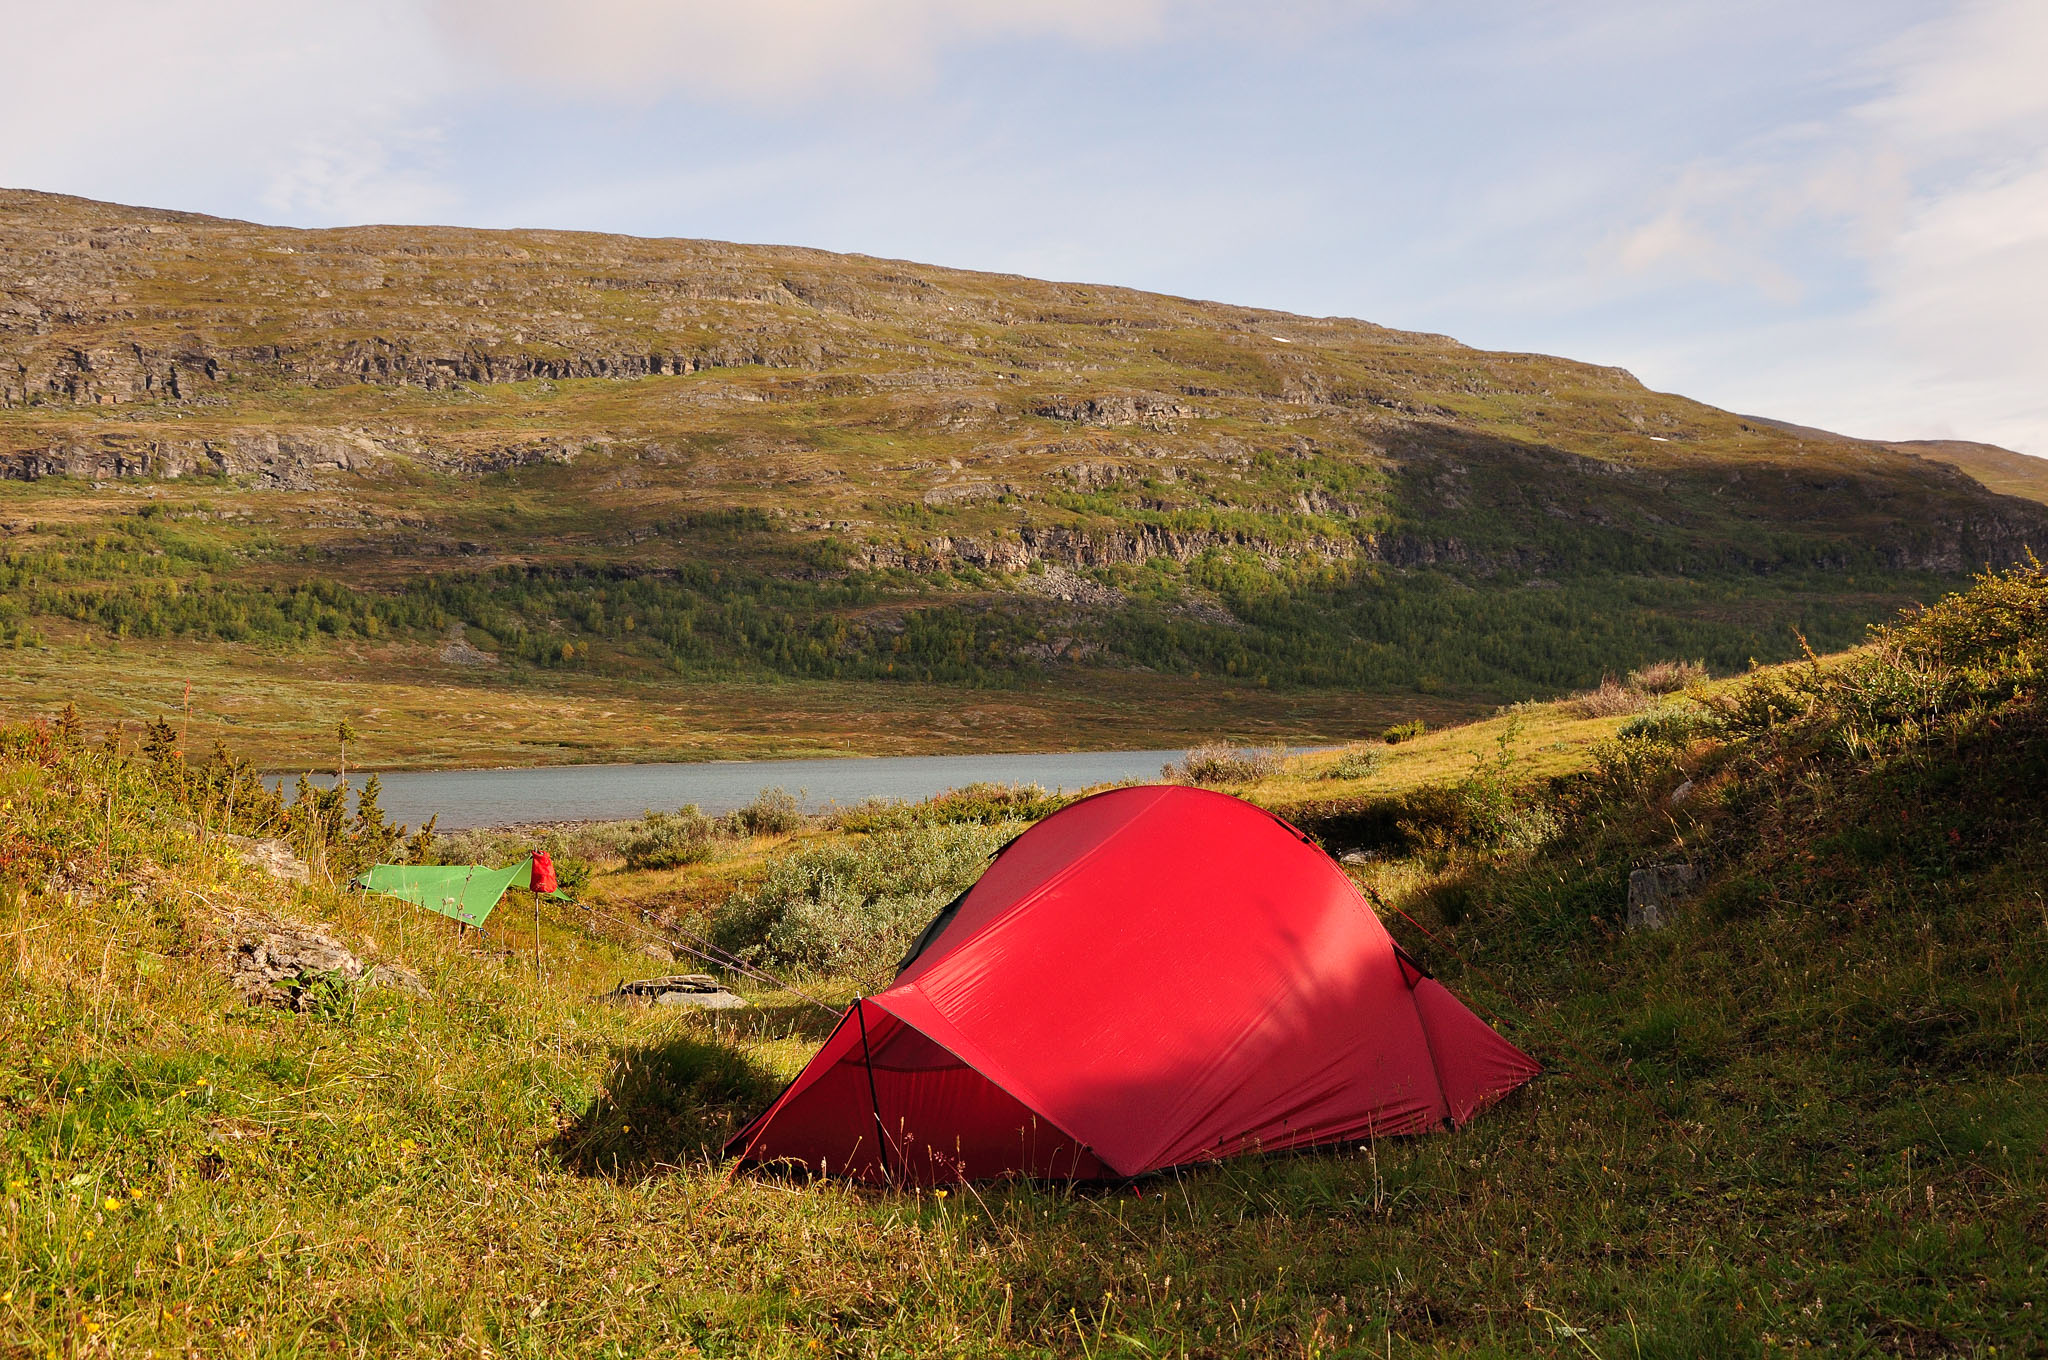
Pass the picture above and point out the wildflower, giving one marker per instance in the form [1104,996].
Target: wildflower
[113,1205]
[135,1192]
[938,1194]
[88,1234]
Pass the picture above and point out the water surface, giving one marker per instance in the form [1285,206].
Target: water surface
[566,793]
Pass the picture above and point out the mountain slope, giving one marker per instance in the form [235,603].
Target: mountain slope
[641,459]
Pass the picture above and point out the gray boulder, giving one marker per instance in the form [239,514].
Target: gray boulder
[1654,890]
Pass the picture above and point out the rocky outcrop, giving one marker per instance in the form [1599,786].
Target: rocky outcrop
[1655,890]
[268,458]
[275,962]
[1116,408]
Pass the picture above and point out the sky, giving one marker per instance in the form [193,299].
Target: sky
[1833,212]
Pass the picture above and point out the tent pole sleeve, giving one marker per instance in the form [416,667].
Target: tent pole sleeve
[860,1010]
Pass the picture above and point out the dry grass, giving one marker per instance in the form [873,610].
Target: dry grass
[1610,699]
[1216,763]
[279,709]
[1668,677]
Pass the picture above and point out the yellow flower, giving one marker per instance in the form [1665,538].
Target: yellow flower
[88,1234]
[938,1194]
[135,1192]
[113,1205]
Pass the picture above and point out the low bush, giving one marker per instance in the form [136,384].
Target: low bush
[983,804]
[1216,763]
[854,907]
[1611,699]
[1495,807]
[669,840]
[774,812]
[1406,731]
[1354,762]
[1668,677]
[1672,724]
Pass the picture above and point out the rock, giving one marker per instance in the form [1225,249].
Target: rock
[1681,793]
[1652,891]
[709,1001]
[1061,583]
[700,990]
[273,857]
[657,951]
[276,963]
[458,650]
[1357,857]
[398,978]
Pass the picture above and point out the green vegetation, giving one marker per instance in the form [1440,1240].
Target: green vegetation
[770,612]
[669,840]
[1809,1113]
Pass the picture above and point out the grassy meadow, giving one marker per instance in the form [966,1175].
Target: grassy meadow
[1810,1115]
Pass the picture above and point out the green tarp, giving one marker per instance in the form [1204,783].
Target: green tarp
[466,892]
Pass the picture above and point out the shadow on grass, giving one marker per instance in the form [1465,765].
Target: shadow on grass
[801,1020]
[664,1105]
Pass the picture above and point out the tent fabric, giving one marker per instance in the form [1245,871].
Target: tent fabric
[1149,977]
[466,892]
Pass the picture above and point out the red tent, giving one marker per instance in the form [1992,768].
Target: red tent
[1149,977]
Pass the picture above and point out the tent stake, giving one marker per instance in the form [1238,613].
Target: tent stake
[860,1011]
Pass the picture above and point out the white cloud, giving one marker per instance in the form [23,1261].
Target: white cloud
[760,50]
[171,104]
[1934,190]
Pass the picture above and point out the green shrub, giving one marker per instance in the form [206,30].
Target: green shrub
[855,907]
[774,812]
[1354,762]
[669,840]
[982,803]
[1671,724]
[1493,808]
[1406,731]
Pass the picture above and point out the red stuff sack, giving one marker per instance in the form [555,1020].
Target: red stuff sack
[544,873]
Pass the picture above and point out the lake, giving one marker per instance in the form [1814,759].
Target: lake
[603,793]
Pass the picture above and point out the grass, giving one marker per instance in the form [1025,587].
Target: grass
[279,707]
[1812,1114]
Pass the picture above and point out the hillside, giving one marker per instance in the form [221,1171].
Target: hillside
[2002,470]
[2006,472]
[1807,1113]
[500,462]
